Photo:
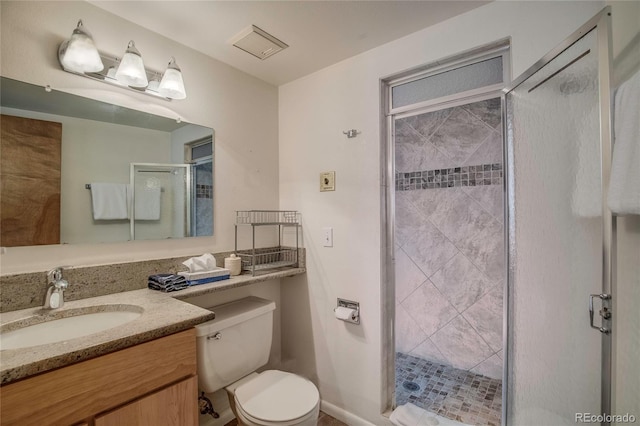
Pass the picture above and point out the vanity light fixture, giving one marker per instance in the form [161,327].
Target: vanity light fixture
[79,53]
[154,83]
[172,85]
[79,56]
[131,71]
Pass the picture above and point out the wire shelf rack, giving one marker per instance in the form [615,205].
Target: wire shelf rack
[267,217]
[262,259]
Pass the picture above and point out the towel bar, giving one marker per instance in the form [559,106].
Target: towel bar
[88,186]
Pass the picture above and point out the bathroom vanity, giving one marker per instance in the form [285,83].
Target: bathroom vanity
[142,372]
[150,383]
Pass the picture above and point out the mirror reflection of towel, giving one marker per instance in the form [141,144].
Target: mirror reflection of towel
[109,201]
[147,203]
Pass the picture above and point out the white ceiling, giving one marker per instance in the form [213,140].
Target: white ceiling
[319,33]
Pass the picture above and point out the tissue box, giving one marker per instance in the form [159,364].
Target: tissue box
[204,277]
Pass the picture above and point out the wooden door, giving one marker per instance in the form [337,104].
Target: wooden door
[176,405]
[29,181]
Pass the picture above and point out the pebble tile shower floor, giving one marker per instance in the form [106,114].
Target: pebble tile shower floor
[449,392]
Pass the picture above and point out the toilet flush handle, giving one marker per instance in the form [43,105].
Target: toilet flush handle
[216,336]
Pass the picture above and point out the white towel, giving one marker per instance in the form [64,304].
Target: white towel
[109,201]
[624,186]
[147,203]
[412,415]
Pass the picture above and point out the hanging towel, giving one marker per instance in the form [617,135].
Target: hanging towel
[109,201]
[147,203]
[624,186]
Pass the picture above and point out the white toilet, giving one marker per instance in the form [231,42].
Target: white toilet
[235,344]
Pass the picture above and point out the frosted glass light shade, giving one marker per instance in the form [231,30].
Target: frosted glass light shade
[172,85]
[131,69]
[79,53]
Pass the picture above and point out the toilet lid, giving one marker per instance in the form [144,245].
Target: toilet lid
[276,396]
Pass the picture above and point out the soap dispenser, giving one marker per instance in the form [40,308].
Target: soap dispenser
[234,264]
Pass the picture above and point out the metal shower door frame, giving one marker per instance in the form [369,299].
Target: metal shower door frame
[601,23]
[188,185]
[387,188]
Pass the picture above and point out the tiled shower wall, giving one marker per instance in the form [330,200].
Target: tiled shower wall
[204,199]
[449,237]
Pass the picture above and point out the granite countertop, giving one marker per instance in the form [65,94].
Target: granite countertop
[236,281]
[161,316]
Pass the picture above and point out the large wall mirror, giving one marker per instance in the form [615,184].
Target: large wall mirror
[76,170]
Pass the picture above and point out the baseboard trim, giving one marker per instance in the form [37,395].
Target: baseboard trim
[343,415]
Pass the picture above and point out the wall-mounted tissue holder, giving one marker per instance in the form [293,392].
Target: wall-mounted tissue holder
[348,311]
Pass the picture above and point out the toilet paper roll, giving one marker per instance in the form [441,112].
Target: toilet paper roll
[343,313]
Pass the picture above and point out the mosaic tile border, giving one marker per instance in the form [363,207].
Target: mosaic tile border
[480,175]
[204,191]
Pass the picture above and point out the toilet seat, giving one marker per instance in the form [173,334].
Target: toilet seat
[310,419]
[277,398]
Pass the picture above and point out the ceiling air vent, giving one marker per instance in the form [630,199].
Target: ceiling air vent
[257,42]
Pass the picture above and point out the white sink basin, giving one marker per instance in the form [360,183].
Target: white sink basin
[67,325]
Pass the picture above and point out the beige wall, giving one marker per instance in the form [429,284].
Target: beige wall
[241,109]
[626,315]
[347,361]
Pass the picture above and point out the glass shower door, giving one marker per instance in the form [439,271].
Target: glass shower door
[556,152]
[161,201]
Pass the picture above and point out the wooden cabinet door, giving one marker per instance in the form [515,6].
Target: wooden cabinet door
[78,392]
[176,405]
[30,181]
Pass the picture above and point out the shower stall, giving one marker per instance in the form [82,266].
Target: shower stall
[498,236]
[449,255]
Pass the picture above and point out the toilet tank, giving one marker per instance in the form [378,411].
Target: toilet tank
[235,343]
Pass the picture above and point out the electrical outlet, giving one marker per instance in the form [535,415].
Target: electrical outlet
[327,237]
[327,181]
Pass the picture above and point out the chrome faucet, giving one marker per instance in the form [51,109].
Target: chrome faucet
[55,293]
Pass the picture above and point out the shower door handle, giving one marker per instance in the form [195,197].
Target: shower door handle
[605,312]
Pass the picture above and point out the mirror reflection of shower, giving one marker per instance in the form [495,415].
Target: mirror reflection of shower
[160,200]
[200,155]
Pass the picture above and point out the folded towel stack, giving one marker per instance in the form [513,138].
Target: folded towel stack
[167,282]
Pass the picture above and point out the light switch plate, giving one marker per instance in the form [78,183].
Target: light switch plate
[327,237]
[327,181]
